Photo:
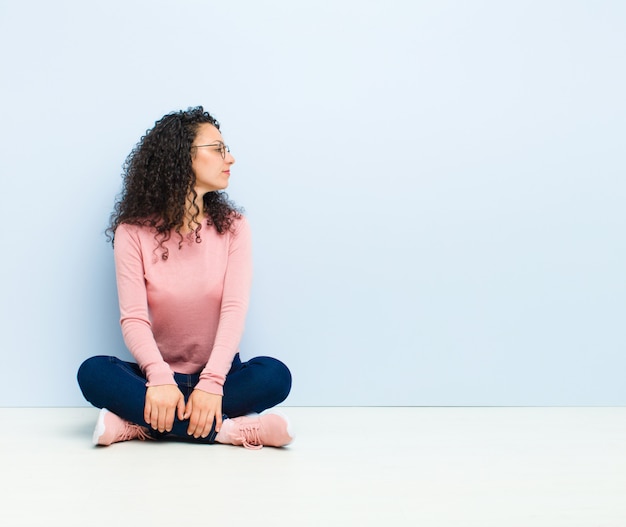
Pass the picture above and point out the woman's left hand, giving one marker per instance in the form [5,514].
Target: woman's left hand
[201,409]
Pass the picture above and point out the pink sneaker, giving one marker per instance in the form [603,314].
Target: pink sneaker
[110,429]
[255,431]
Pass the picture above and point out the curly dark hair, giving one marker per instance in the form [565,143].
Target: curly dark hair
[158,179]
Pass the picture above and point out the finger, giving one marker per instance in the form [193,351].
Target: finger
[208,424]
[194,419]
[188,408]
[218,421]
[154,417]
[180,407]
[161,419]
[199,425]
[147,411]
[169,419]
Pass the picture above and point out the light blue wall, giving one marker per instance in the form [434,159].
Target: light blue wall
[436,188]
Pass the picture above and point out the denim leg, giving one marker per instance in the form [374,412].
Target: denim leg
[119,386]
[255,385]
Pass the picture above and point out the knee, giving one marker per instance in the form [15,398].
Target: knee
[278,378]
[284,375]
[89,368]
[89,374]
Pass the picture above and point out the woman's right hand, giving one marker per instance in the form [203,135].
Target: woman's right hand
[162,404]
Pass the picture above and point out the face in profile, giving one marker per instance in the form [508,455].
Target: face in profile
[210,160]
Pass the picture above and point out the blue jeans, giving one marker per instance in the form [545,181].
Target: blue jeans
[119,386]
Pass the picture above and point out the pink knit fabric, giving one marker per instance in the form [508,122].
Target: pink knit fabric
[185,314]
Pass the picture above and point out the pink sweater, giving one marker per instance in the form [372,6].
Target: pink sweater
[185,314]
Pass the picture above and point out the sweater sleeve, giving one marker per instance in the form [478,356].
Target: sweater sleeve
[235,300]
[133,299]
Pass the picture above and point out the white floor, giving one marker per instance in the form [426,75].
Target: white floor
[459,467]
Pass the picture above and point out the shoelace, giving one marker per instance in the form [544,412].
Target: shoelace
[132,431]
[250,436]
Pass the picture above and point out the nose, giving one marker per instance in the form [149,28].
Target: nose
[229,158]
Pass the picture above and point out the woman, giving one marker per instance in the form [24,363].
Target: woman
[183,265]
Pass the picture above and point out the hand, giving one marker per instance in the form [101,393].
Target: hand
[202,408]
[162,402]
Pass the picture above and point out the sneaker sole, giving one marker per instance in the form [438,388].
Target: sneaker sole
[99,430]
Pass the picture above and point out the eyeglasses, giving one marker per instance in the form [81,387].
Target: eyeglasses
[221,147]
